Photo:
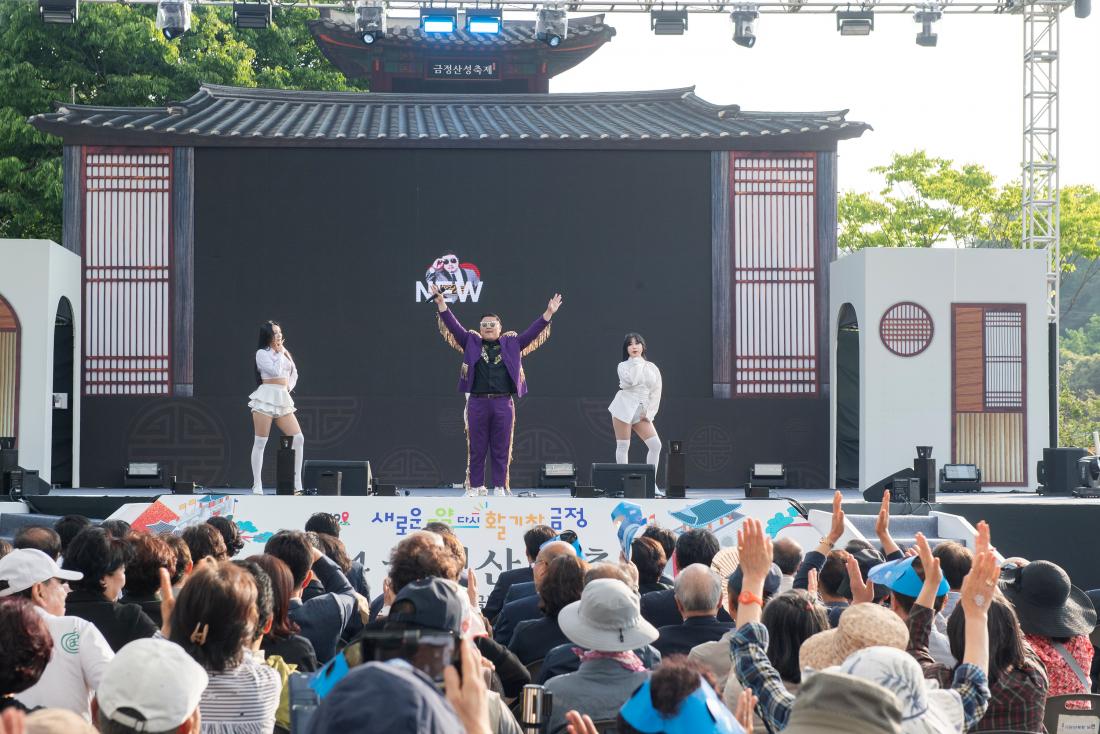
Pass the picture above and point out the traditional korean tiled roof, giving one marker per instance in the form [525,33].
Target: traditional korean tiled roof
[225,116]
[703,513]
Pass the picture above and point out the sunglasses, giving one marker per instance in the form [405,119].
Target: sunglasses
[489,324]
[449,260]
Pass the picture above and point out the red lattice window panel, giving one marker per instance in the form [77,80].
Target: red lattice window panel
[127,271]
[774,257]
[906,329]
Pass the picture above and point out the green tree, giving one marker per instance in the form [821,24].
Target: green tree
[1083,341]
[930,201]
[115,56]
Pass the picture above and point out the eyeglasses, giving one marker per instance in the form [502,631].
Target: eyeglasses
[449,260]
[489,324]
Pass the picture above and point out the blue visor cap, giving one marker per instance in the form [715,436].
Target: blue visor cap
[700,713]
[900,576]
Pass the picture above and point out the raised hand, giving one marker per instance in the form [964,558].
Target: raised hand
[812,583]
[837,527]
[471,589]
[576,723]
[554,304]
[882,526]
[932,573]
[979,586]
[862,591]
[746,706]
[983,542]
[754,550]
[167,602]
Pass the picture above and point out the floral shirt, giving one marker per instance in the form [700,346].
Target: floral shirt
[1062,678]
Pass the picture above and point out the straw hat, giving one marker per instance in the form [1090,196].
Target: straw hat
[860,626]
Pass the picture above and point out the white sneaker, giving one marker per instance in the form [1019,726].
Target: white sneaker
[257,490]
[502,492]
[471,491]
[482,492]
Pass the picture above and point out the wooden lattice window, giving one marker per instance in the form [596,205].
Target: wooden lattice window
[774,300]
[9,370]
[1004,359]
[906,329]
[127,268]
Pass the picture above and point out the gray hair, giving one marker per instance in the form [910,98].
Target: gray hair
[698,589]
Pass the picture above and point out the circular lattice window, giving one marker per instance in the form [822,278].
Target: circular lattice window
[906,329]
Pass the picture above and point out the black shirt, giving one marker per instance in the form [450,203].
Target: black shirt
[490,373]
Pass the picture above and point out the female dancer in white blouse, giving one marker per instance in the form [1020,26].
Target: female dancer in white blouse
[276,376]
[635,405]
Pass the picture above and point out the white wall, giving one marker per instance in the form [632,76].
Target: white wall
[34,276]
[906,401]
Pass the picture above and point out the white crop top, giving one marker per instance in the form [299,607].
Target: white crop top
[272,364]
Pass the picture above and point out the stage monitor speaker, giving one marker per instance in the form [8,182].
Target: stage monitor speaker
[757,493]
[875,491]
[183,487]
[1058,470]
[385,490]
[329,482]
[284,467]
[356,482]
[613,478]
[676,473]
[926,474]
[20,483]
[583,491]
[9,455]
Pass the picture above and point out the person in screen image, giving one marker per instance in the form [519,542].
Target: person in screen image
[447,273]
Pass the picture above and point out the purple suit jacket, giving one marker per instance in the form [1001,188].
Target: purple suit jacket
[511,350]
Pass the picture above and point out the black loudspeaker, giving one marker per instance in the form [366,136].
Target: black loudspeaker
[329,482]
[9,455]
[22,482]
[875,491]
[584,491]
[926,473]
[183,487]
[284,467]
[676,472]
[385,490]
[1058,470]
[625,478]
[759,493]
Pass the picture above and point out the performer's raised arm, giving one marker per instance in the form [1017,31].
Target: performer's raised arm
[447,318]
[539,331]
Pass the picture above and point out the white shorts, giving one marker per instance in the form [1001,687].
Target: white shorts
[273,400]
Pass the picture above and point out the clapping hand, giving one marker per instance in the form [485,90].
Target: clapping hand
[862,591]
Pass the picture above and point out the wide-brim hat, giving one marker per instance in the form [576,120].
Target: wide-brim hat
[1046,602]
[607,618]
[1094,597]
[860,626]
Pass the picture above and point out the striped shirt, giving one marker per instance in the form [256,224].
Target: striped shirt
[242,700]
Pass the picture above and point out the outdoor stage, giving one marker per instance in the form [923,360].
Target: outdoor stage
[1061,529]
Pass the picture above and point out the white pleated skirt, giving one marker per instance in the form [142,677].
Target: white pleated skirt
[273,400]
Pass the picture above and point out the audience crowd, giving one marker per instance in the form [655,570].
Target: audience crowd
[107,629]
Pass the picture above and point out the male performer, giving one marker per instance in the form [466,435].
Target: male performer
[492,372]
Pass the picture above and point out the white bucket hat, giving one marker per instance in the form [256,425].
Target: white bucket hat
[925,708]
[607,618]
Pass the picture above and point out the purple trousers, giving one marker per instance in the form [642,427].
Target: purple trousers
[489,424]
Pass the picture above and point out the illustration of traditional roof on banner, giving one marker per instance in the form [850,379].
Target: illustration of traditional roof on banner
[231,116]
[706,513]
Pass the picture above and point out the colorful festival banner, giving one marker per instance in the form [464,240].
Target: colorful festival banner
[491,528]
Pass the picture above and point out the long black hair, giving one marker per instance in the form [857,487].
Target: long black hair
[1006,639]
[634,337]
[267,335]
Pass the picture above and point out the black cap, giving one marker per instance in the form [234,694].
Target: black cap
[435,605]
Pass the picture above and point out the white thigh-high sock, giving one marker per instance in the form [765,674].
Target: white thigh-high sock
[653,443]
[622,451]
[258,462]
[298,442]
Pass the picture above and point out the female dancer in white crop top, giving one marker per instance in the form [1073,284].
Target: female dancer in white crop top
[276,376]
[635,405]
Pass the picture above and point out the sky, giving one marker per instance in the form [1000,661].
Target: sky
[961,100]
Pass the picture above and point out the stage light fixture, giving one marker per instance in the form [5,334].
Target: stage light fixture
[744,25]
[252,15]
[484,20]
[145,474]
[438,20]
[1082,8]
[855,22]
[370,21]
[768,475]
[64,12]
[668,22]
[551,25]
[173,18]
[926,16]
[960,478]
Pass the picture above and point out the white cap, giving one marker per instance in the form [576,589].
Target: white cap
[26,567]
[155,678]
